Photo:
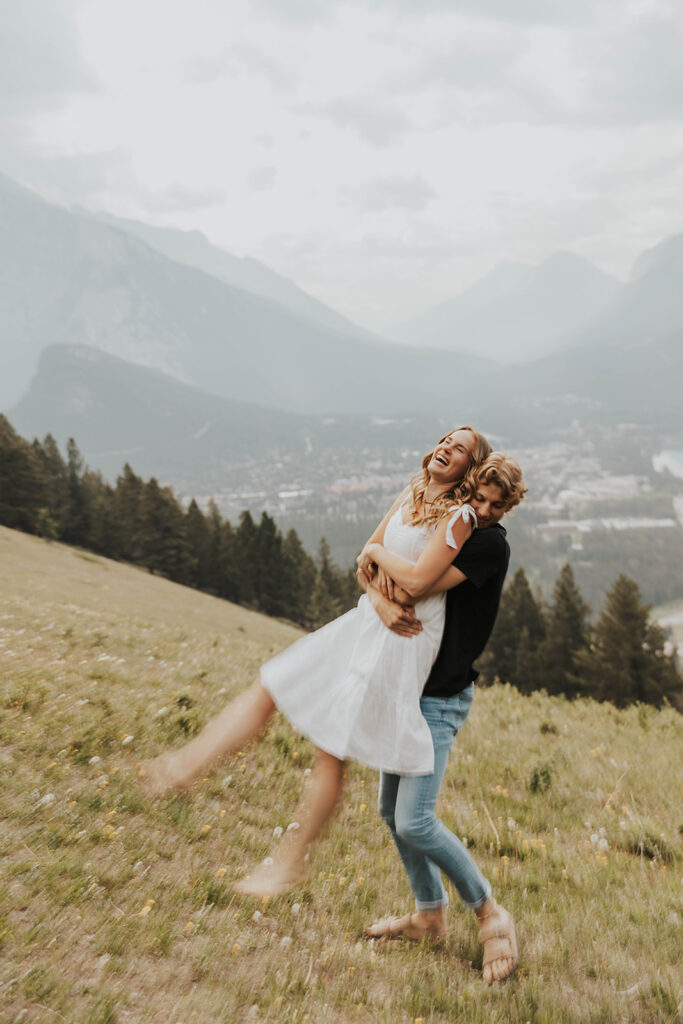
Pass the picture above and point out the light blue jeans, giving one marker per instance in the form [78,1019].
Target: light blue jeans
[407,804]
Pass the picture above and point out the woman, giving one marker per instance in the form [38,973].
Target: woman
[352,687]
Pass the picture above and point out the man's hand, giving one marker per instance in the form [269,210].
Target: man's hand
[385,584]
[400,619]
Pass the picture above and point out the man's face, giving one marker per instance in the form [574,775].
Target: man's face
[489,504]
[452,457]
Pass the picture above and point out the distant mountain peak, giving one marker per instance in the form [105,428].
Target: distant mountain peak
[667,254]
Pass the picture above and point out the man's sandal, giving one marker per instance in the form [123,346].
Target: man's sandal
[499,939]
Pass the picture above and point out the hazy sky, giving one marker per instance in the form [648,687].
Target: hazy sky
[382,153]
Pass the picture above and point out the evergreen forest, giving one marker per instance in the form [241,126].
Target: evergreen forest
[535,645]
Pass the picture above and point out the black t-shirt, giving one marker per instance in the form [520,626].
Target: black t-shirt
[471,610]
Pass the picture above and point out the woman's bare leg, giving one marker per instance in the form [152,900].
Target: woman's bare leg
[230,729]
[287,866]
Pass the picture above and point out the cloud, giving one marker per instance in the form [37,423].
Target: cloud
[179,197]
[234,61]
[40,55]
[391,193]
[520,12]
[260,179]
[300,12]
[375,121]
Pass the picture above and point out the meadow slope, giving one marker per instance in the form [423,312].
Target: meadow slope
[114,908]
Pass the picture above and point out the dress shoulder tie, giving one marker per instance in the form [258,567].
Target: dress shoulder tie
[465,512]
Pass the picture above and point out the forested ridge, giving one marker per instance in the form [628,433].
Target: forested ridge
[535,645]
[143,523]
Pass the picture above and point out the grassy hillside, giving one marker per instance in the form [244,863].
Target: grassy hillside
[117,909]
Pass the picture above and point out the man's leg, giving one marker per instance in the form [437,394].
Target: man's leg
[407,805]
[426,845]
[429,920]
[415,821]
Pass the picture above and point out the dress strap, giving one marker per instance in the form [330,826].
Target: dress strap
[465,512]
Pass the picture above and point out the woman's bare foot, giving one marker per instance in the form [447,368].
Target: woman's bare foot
[421,924]
[272,878]
[499,937]
[160,776]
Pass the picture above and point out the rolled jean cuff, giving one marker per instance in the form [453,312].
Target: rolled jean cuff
[432,904]
[477,903]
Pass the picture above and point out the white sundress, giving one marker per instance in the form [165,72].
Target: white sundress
[353,687]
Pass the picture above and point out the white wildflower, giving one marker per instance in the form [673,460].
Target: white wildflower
[256,916]
[293,826]
[94,759]
[296,909]
[47,800]
[277,832]
[126,740]
[268,862]
[285,941]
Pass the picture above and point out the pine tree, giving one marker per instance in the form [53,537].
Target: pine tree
[198,533]
[162,532]
[214,525]
[512,652]
[626,660]
[567,633]
[56,488]
[244,557]
[323,606]
[22,481]
[300,574]
[77,520]
[126,538]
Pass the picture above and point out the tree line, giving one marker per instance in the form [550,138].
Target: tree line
[534,645]
[553,646]
[142,522]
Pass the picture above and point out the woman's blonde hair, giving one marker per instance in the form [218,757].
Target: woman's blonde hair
[461,490]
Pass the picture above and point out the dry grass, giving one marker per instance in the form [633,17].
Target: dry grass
[115,909]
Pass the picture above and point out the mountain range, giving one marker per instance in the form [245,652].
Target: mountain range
[191,345]
[193,249]
[67,278]
[517,312]
[120,412]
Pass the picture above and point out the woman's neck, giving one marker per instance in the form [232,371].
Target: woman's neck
[433,491]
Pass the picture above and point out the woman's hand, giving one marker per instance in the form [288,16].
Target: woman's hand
[366,560]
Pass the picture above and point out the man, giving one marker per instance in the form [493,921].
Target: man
[406,803]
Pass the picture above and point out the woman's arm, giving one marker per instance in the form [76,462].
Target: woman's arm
[431,565]
[377,535]
[451,578]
